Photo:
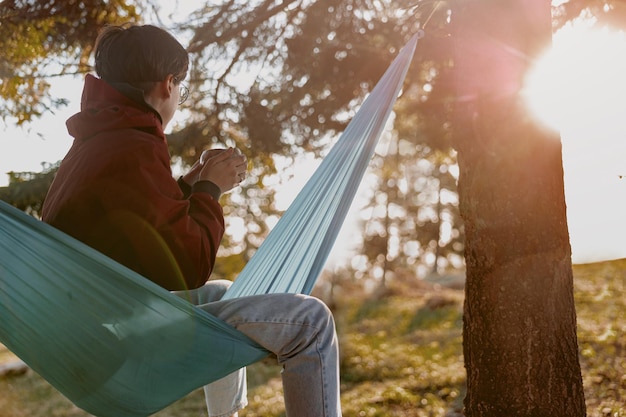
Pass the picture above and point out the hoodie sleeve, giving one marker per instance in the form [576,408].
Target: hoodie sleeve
[192,227]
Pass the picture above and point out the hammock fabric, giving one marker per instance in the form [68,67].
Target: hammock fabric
[118,345]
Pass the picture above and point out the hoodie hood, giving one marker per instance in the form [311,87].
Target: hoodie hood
[104,108]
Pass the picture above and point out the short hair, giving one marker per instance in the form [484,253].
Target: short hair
[138,54]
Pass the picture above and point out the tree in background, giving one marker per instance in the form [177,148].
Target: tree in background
[519,332]
[27,188]
[412,221]
[45,39]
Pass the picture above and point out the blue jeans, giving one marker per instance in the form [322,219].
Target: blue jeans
[298,329]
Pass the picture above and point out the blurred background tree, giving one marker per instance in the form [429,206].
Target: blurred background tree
[42,40]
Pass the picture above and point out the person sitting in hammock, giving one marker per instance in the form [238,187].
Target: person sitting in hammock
[114,190]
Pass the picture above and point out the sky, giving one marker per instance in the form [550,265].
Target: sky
[578,89]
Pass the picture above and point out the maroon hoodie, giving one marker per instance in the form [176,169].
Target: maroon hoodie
[114,191]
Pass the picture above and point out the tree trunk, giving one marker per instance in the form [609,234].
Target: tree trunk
[519,332]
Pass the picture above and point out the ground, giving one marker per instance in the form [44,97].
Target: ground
[401,355]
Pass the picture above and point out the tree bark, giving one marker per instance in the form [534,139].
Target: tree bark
[519,332]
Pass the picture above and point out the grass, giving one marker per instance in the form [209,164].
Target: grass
[601,301]
[401,356]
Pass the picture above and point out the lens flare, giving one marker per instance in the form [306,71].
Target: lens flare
[579,83]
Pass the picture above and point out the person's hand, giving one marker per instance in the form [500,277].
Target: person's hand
[226,168]
[191,177]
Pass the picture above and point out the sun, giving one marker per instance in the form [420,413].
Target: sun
[578,88]
[579,85]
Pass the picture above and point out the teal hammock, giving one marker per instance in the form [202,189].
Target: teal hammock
[118,345]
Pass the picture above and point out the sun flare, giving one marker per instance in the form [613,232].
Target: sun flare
[579,89]
[579,84]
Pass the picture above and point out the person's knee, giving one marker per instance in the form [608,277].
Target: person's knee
[319,313]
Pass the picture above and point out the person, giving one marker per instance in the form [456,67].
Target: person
[115,191]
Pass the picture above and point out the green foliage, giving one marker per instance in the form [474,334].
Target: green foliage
[284,76]
[445,317]
[27,190]
[415,222]
[600,295]
[228,267]
[43,39]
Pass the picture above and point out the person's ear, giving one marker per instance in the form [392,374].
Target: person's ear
[171,84]
[166,87]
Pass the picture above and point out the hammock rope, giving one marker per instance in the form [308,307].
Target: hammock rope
[118,345]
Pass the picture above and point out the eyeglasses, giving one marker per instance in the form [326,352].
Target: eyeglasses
[184,94]
[183,90]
